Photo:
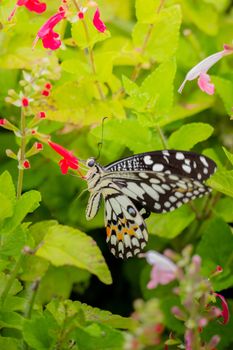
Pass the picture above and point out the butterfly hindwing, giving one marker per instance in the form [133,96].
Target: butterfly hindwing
[182,163]
[126,230]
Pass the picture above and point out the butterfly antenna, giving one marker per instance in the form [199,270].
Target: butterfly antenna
[100,144]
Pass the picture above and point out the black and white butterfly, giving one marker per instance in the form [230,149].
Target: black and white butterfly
[132,187]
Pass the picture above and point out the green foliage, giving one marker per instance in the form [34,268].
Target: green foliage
[50,256]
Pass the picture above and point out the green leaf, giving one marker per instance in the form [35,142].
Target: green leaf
[79,34]
[93,314]
[98,336]
[189,135]
[7,187]
[198,12]
[6,207]
[163,37]
[146,12]
[26,204]
[222,181]
[160,225]
[64,245]
[152,98]
[15,288]
[134,135]
[224,209]
[224,88]
[229,155]
[214,254]
[13,242]
[7,343]
[10,319]
[39,333]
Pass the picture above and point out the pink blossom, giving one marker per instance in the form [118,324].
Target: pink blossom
[31,5]
[204,84]
[188,339]
[200,70]
[163,270]
[100,26]
[225,310]
[49,38]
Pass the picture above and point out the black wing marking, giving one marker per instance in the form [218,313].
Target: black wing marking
[158,192]
[182,163]
[126,231]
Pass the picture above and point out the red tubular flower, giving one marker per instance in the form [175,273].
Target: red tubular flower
[42,115]
[68,161]
[2,121]
[26,164]
[80,15]
[49,38]
[25,102]
[45,93]
[31,5]
[48,86]
[100,26]
[39,146]
[225,310]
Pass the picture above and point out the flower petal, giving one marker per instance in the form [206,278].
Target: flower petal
[205,85]
[100,26]
[225,309]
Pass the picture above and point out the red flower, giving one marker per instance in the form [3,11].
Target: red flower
[39,146]
[68,161]
[42,115]
[26,164]
[2,121]
[100,26]
[45,93]
[48,86]
[80,15]
[225,310]
[25,102]
[31,5]
[49,38]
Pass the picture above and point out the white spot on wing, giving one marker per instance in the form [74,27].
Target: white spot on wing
[148,160]
[179,155]
[158,167]
[203,160]
[186,168]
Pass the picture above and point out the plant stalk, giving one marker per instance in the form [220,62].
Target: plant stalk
[22,153]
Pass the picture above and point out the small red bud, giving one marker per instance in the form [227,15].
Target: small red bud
[48,86]
[39,146]
[42,115]
[61,9]
[80,15]
[33,132]
[45,93]
[25,102]
[219,268]
[26,164]
[2,121]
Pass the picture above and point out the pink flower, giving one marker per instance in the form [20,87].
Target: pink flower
[204,84]
[31,5]
[68,161]
[200,71]
[163,270]
[188,339]
[100,26]
[49,38]
[225,310]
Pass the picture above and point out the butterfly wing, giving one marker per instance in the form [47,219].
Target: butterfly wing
[126,231]
[158,192]
[182,163]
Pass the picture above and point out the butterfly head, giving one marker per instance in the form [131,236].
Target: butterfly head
[93,174]
[91,162]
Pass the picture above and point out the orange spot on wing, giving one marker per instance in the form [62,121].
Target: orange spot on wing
[108,230]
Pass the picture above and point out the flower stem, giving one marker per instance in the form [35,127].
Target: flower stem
[11,279]
[90,53]
[162,137]
[31,300]
[22,153]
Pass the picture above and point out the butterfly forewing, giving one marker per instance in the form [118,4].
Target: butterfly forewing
[181,163]
[158,192]
[126,230]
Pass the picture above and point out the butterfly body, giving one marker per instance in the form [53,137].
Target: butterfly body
[132,187]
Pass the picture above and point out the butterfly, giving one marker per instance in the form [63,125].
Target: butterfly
[133,187]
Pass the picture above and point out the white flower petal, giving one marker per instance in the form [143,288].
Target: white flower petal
[161,261]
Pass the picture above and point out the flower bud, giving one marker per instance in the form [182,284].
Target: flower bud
[45,93]
[25,102]
[11,154]
[26,164]
[213,342]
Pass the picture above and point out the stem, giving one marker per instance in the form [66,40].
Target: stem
[90,53]
[31,300]
[162,137]
[138,67]
[22,153]
[12,278]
